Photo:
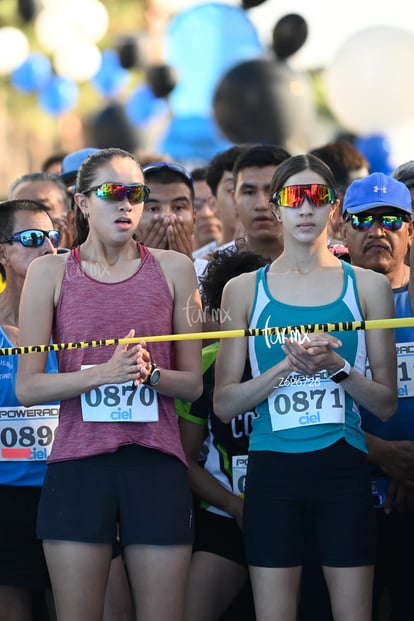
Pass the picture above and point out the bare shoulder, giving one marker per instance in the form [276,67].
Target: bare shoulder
[242,282]
[178,270]
[50,266]
[170,260]
[375,293]
[239,292]
[45,276]
[370,280]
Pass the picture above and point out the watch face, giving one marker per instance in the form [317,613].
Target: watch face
[339,377]
[155,377]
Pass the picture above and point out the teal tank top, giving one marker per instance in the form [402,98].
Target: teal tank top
[311,412]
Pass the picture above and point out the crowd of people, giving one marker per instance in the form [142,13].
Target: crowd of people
[267,477]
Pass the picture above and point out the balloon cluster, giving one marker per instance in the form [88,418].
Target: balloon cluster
[214,60]
[227,85]
[218,84]
[68,31]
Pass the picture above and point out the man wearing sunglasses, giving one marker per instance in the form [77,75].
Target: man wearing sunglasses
[378,232]
[26,434]
[48,189]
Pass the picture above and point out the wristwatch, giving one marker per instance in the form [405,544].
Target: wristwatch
[154,375]
[341,373]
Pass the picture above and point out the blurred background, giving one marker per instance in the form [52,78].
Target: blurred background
[188,78]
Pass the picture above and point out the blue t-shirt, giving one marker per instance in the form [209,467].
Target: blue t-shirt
[17,472]
[401,425]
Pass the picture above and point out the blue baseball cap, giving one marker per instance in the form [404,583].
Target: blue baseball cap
[376,190]
[72,162]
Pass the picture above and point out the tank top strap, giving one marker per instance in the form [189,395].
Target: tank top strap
[142,249]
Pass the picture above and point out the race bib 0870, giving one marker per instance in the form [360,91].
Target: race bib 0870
[115,403]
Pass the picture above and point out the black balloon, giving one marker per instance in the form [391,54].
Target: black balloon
[128,52]
[249,4]
[161,79]
[289,34]
[27,9]
[253,103]
[110,128]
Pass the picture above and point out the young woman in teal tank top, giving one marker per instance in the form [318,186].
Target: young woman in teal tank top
[307,456]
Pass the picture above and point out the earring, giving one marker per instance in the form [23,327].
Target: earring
[278,218]
[85,215]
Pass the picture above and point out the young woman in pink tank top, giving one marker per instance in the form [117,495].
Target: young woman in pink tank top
[117,465]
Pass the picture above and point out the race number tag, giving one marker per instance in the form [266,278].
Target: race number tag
[405,369]
[300,404]
[27,434]
[115,403]
[239,470]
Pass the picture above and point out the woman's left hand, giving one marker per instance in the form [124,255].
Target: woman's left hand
[144,363]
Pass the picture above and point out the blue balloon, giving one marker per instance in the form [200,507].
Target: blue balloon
[193,139]
[111,77]
[58,96]
[202,44]
[142,106]
[33,73]
[377,149]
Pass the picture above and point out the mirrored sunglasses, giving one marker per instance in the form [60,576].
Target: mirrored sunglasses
[33,238]
[116,192]
[294,195]
[364,223]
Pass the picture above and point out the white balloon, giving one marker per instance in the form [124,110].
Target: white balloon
[53,26]
[95,20]
[14,49]
[77,60]
[63,22]
[367,85]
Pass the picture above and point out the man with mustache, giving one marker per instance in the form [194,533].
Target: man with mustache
[378,232]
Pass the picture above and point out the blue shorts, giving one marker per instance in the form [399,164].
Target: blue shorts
[332,485]
[145,491]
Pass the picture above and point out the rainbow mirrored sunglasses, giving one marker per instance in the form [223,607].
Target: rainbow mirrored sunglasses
[361,222]
[294,195]
[33,238]
[116,192]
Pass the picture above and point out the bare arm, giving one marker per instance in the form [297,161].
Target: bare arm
[394,457]
[379,394]
[34,385]
[185,381]
[203,484]
[231,396]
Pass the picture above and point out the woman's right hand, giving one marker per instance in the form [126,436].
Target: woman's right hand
[313,355]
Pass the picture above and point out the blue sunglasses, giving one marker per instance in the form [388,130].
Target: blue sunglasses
[33,238]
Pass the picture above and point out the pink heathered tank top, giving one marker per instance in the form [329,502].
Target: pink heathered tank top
[89,309]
